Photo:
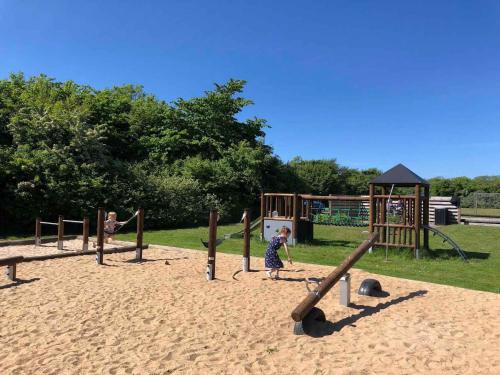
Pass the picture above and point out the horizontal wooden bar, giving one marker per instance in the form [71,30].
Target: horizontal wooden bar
[48,223]
[11,260]
[394,245]
[74,221]
[278,195]
[394,196]
[113,250]
[394,226]
[335,197]
[32,241]
[279,218]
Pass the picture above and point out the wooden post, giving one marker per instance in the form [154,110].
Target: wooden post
[246,240]
[60,233]
[38,232]
[295,219]
[100,236]
[262,215]
[212,238]
[372,209]
[426,216]
[418,220]
[11,272]
[383,215]
[139,236]
[86,230]
[315,296]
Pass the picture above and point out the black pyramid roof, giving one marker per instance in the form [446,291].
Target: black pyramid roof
[399,175]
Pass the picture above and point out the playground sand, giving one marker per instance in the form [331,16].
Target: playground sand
[70,316]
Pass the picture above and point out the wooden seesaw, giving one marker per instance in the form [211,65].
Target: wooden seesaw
[306,314]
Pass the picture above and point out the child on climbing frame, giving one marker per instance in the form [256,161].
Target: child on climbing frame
[111,226]
[272,259]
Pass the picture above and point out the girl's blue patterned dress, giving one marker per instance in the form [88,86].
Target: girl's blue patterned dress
[272,258]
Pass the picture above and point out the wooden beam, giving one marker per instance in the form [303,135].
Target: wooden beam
[418,219]
[60,233]
[246,240]
[85,234]
[100,236]
[212,238]
[139,235]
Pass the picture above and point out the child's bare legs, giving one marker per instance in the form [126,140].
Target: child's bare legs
[108,237]
[269,273]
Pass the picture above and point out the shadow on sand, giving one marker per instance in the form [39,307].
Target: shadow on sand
[327,328]
[19,282]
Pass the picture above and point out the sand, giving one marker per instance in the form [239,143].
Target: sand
[70,316]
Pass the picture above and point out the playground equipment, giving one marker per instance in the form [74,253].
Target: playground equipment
[400,219]
[300,211]
[246,240]
[11,263]
[60,231]
[411,212]
[370,287]
[239,234]
[351,213]
[212,238]
[445,238]
[306,314]
[139,246]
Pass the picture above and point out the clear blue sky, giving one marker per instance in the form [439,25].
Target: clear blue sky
[370,83]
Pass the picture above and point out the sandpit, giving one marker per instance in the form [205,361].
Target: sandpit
[70,316]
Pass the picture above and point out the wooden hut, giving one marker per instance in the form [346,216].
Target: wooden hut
[412,209]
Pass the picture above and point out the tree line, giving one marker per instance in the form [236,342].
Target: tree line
[67,148]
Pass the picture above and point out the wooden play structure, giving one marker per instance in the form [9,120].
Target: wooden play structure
[138,247]
[399,218]
[12,262]
[60,231]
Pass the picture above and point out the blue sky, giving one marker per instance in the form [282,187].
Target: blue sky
[370,83]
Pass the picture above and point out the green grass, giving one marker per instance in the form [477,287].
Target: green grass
[488,212]
[332,244]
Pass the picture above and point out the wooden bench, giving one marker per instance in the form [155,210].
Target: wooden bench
[11,264]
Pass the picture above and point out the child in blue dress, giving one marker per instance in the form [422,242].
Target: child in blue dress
[272,259]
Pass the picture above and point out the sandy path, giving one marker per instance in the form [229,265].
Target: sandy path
[72,317]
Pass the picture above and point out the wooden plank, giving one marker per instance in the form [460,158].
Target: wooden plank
[112,250]
[9,261]
[32,241]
